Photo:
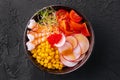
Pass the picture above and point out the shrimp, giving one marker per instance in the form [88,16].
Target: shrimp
[31,24]
[39,28]
[32,35]
[34,26]
[32,44]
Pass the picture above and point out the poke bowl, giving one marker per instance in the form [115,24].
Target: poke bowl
[58,39]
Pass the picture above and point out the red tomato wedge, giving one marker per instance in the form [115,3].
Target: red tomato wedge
[74,16]
[76,26]
[84,30]
[62,14]
[64,27]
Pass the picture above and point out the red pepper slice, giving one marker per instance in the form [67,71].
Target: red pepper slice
[84,30]
[62,14]
[74,16]
[65,28]
[76,26]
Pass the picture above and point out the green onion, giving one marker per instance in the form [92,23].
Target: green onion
[47,17]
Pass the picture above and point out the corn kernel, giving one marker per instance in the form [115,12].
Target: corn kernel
[39,53]
[52,60]
[54,64]
[33,51]
[46,43]
[34,55]
[56,56]
[56,52]
[38,57]
[47,50]
[42,49]
[46,61]
[49,57]
[39,46]
[43,44]
[57,66]
[52,49]
[45,65]
[60,68]
[46,55]
[61,65]
[42,55]
[52,53]
[49,46]
[49,65]
[38,50]
[57,60]
[42,59]
[38,60]
[41,62]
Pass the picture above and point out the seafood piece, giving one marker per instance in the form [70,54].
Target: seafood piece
[31,24]
[32,35]
[31,44]
[38,28]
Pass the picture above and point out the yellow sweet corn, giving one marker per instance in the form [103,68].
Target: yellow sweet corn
[57,56]
[47,56]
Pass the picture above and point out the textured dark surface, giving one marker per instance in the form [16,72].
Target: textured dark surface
[104,64]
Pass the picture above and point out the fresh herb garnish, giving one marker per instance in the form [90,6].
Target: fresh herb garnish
[47,17]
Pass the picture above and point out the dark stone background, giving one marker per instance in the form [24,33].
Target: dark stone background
[104,64]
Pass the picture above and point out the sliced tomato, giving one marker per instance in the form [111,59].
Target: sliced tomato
[64,24]
[74,16]
[84,30]
[64,27]
[75,26]
[62,14]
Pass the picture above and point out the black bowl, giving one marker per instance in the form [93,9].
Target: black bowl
[65,70]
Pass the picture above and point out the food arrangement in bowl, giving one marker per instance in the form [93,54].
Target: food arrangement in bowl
[58,39]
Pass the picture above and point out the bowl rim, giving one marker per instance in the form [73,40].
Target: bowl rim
[90,49]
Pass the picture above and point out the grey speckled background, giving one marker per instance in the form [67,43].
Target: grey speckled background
[104,64]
